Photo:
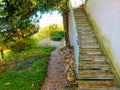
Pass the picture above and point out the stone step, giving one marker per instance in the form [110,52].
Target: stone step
[85,32]
[86,24]
[83,25]
[93,65]
[81,14]
[84,28]
[90,36]
[90,51]
[83,22]
[83,19]
[79,9]
[88,41]
[89,45]
[92,57]
[84,40]
[95,75]
[94,72]
[97,85]
[79,25]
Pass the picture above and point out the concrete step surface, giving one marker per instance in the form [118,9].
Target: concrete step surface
[85,36]
[90,40]
[95,75]
[93,57]
[78,27]
[93,65]
[94,72]
[97,85]
[84,21]
[91,51]
[89,45]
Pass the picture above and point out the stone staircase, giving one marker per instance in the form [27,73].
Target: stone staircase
[94,71]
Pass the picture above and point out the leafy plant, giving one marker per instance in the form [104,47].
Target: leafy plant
[56,35]
[56,38]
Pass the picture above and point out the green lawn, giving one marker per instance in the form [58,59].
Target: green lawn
[25,70]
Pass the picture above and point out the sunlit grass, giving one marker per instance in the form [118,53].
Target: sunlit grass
[25,70]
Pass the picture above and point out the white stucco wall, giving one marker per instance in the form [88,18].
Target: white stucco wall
[106,14]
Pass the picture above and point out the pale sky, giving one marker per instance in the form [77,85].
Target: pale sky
[55,18]
[48,19]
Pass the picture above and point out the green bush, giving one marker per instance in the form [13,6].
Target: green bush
[56,35]
[56,38]
[18,45]
[62,33]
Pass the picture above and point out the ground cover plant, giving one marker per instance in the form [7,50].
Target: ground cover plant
[25,70]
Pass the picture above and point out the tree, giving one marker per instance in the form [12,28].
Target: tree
[1,47]
[65,13]
[17,17]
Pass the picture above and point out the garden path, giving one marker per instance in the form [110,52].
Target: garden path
[55,79]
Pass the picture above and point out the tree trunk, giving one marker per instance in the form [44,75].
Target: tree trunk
[66,28]
[2,54]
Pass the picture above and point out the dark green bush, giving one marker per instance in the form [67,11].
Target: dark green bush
[62,33]
[56,38]
[56,35]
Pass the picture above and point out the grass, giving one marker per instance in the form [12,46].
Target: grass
[25,70]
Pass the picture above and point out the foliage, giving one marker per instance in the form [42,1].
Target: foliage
[56,35]
[22,44]
[25,70]
[18,18]
[56,38]
[53,27]
[18,45]
[45,32]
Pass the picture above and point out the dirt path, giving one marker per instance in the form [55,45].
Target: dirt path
[55,76]
[56,79]
[47,41]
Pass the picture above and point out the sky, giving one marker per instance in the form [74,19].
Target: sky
[48,19]
[55,17]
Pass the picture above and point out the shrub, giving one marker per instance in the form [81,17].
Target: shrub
[62,33]
[56,35]
[18,45]
[56,38]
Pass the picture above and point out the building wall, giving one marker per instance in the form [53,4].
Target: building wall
[106,15]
